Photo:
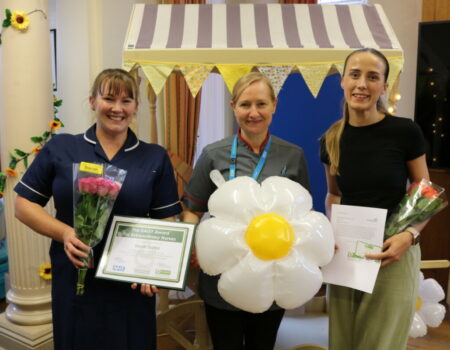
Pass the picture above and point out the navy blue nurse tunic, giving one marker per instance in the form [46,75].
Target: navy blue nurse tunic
[110,315]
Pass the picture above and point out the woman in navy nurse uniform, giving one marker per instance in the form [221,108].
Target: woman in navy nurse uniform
[110,315]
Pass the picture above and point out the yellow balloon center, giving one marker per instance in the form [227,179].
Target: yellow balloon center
[418,303]
[269,236]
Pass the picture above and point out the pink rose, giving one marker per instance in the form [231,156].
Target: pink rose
[103,186]
[82,184]
[114,190]
[91,185]
[87,185]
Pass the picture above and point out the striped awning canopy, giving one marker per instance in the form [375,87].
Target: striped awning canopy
[233,39]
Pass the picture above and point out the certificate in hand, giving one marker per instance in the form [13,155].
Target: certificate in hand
[357,231]
[147,251]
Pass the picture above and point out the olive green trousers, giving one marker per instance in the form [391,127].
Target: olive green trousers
[381,320]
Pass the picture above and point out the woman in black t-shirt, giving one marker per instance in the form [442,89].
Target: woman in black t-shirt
[369,156]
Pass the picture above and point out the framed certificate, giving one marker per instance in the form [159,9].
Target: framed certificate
[147,251]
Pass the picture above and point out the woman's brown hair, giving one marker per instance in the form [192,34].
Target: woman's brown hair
[113,82]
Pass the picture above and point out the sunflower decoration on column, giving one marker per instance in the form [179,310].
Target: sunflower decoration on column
[45,272]
[18,20]
[19,155]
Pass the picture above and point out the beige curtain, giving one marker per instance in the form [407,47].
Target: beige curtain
[182,116]
[181,120]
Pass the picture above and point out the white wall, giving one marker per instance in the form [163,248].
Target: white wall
[116,14]
[405,16]
[72,62]
[90,36]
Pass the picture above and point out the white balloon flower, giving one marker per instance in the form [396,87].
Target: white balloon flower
[428,310]
[266,242]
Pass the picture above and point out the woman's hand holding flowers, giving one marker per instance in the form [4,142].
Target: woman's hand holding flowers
[74,247]
[393,248]
[422,200]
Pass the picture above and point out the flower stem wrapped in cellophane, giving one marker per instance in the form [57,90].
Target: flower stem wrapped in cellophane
[422,200]
[95,188]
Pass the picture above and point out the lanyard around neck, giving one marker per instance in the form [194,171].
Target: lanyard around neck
[259,166]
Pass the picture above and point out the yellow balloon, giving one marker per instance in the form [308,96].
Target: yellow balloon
[269,236]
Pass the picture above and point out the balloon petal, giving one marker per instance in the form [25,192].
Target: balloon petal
[431,291]
[315,238]
[418,327]
[297,280]
[432,314]
[248,285]
[237,200]
[421,277]
[285,197]
[219,245]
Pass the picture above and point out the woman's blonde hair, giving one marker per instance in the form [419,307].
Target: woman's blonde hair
[248,79]
[113,82]
[334,133]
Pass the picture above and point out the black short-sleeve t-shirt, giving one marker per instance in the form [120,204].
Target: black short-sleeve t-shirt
[372,165]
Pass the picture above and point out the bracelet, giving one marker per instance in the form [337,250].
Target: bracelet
[415,234]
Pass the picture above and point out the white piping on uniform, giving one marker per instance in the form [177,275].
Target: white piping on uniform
[32,189]
[132,147]
[89,140]
[166,206]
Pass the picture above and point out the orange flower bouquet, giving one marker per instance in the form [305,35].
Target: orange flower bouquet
[422,200]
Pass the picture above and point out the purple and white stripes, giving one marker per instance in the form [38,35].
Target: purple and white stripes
[249,26]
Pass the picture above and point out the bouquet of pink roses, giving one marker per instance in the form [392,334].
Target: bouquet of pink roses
[422,200]
[96,187]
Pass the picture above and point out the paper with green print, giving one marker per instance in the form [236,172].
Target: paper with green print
[357,231]
[149,251]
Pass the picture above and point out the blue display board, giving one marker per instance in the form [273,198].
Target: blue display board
[302,119]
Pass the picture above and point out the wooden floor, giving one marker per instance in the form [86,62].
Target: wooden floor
[436,338]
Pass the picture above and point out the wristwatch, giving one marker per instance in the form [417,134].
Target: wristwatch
[415,234]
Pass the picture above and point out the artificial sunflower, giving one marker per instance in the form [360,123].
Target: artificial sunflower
[45,271]
[36,150]
[55,125]
[11,172]
[19,20]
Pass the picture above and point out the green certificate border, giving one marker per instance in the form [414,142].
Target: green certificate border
[143,229]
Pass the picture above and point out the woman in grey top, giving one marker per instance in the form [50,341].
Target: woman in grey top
[251,152]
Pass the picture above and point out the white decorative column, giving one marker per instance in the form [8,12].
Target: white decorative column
[26,110]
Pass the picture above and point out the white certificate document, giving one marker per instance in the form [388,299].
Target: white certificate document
[357,231]
[147,251]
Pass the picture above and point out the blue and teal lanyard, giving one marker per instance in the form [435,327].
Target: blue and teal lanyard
[259,166]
